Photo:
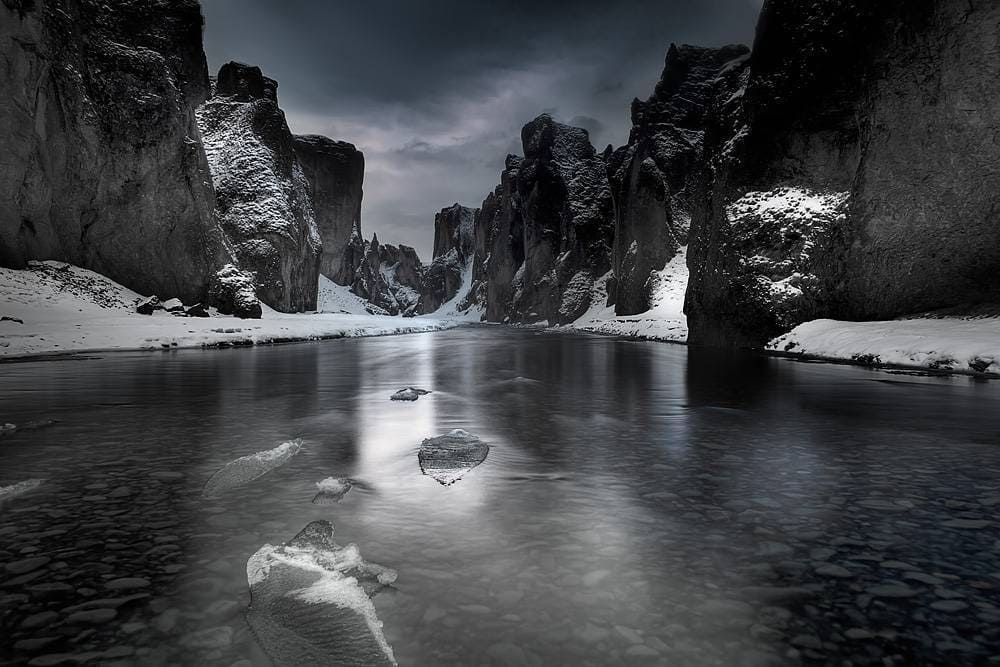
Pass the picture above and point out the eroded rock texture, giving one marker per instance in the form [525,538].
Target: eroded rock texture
[454,246]
[389,276]
[653,176]
[262,195]
[335,171]
[544,236]
[101,160]
[853,175]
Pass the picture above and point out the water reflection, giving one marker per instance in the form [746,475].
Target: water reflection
[640,504]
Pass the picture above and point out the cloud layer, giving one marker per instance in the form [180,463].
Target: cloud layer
[435,92]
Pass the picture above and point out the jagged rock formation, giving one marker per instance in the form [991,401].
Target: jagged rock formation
[851,178]
[543,237]
[102,164]
[653,176]
[389,277]
[335,171]
[262,194]
[454,245]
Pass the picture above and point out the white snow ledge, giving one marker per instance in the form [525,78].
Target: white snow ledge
[946,344]
[75,310]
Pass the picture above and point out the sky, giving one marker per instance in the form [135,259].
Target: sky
[435,92]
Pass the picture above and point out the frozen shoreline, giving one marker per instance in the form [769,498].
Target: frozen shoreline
[56,309]
[59,309]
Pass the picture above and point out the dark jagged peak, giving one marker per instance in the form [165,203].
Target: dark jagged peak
[686,86]
[545,136]
[453,230]
[245,83]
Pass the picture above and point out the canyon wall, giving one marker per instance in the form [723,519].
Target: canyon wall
[102,164]
[853,174]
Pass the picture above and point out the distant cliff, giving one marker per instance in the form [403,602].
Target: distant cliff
[335,171]
[454,247]
[102,163]
[543,237]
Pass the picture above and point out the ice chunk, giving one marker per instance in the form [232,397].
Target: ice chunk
[409,394]
[11,429]
[248,468]
[15,490]
[448,457]
[310,601]
[331,490]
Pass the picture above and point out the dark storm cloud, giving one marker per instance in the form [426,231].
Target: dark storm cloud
[435,92]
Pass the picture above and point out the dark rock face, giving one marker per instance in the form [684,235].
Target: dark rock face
[851,179]
[454,244]
[335,171]
[102,163]
[653,176]
[390,277]
[262,194]
[234,293]
[544,236]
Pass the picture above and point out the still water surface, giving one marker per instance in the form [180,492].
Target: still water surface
[641,503]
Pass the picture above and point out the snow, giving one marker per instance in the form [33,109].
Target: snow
[450,309]
[947,343]
[342,575]
[68,309]
[664,320]
[334,298]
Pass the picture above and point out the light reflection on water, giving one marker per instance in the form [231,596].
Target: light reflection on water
[641,503]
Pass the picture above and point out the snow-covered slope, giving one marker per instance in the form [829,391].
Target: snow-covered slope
[663,321]
[55,307]
[947,343]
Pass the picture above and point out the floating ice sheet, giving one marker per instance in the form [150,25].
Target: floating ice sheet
[310,601]
[448,457]
[409,394]
[15,490]
[248,468]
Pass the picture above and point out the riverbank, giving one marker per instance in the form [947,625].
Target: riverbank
[57,308]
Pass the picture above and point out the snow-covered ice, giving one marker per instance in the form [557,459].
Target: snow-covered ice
[331,490]
[248,468]
[68,309]
[946,343]
[409,394]
[310,601]
[447,458]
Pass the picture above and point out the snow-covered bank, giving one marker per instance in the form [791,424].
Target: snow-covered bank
[54,307]
[945,344]
[665,321]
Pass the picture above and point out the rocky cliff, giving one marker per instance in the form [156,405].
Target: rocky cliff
[102,165]
[262,195]
[543,237]
[388,276]
[335,171]
[851,177]
[454,246]
[653,176]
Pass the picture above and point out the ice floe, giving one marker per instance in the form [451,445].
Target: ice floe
[447,458]
[409,394]
[310,601]
[332,489]
[15,490]
[248,468]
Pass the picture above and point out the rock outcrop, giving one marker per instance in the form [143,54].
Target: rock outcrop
[543,237]
[335,171]
[262,195]
[454,246]
[102,164]
[653,176]
[851,177]
[389,276]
